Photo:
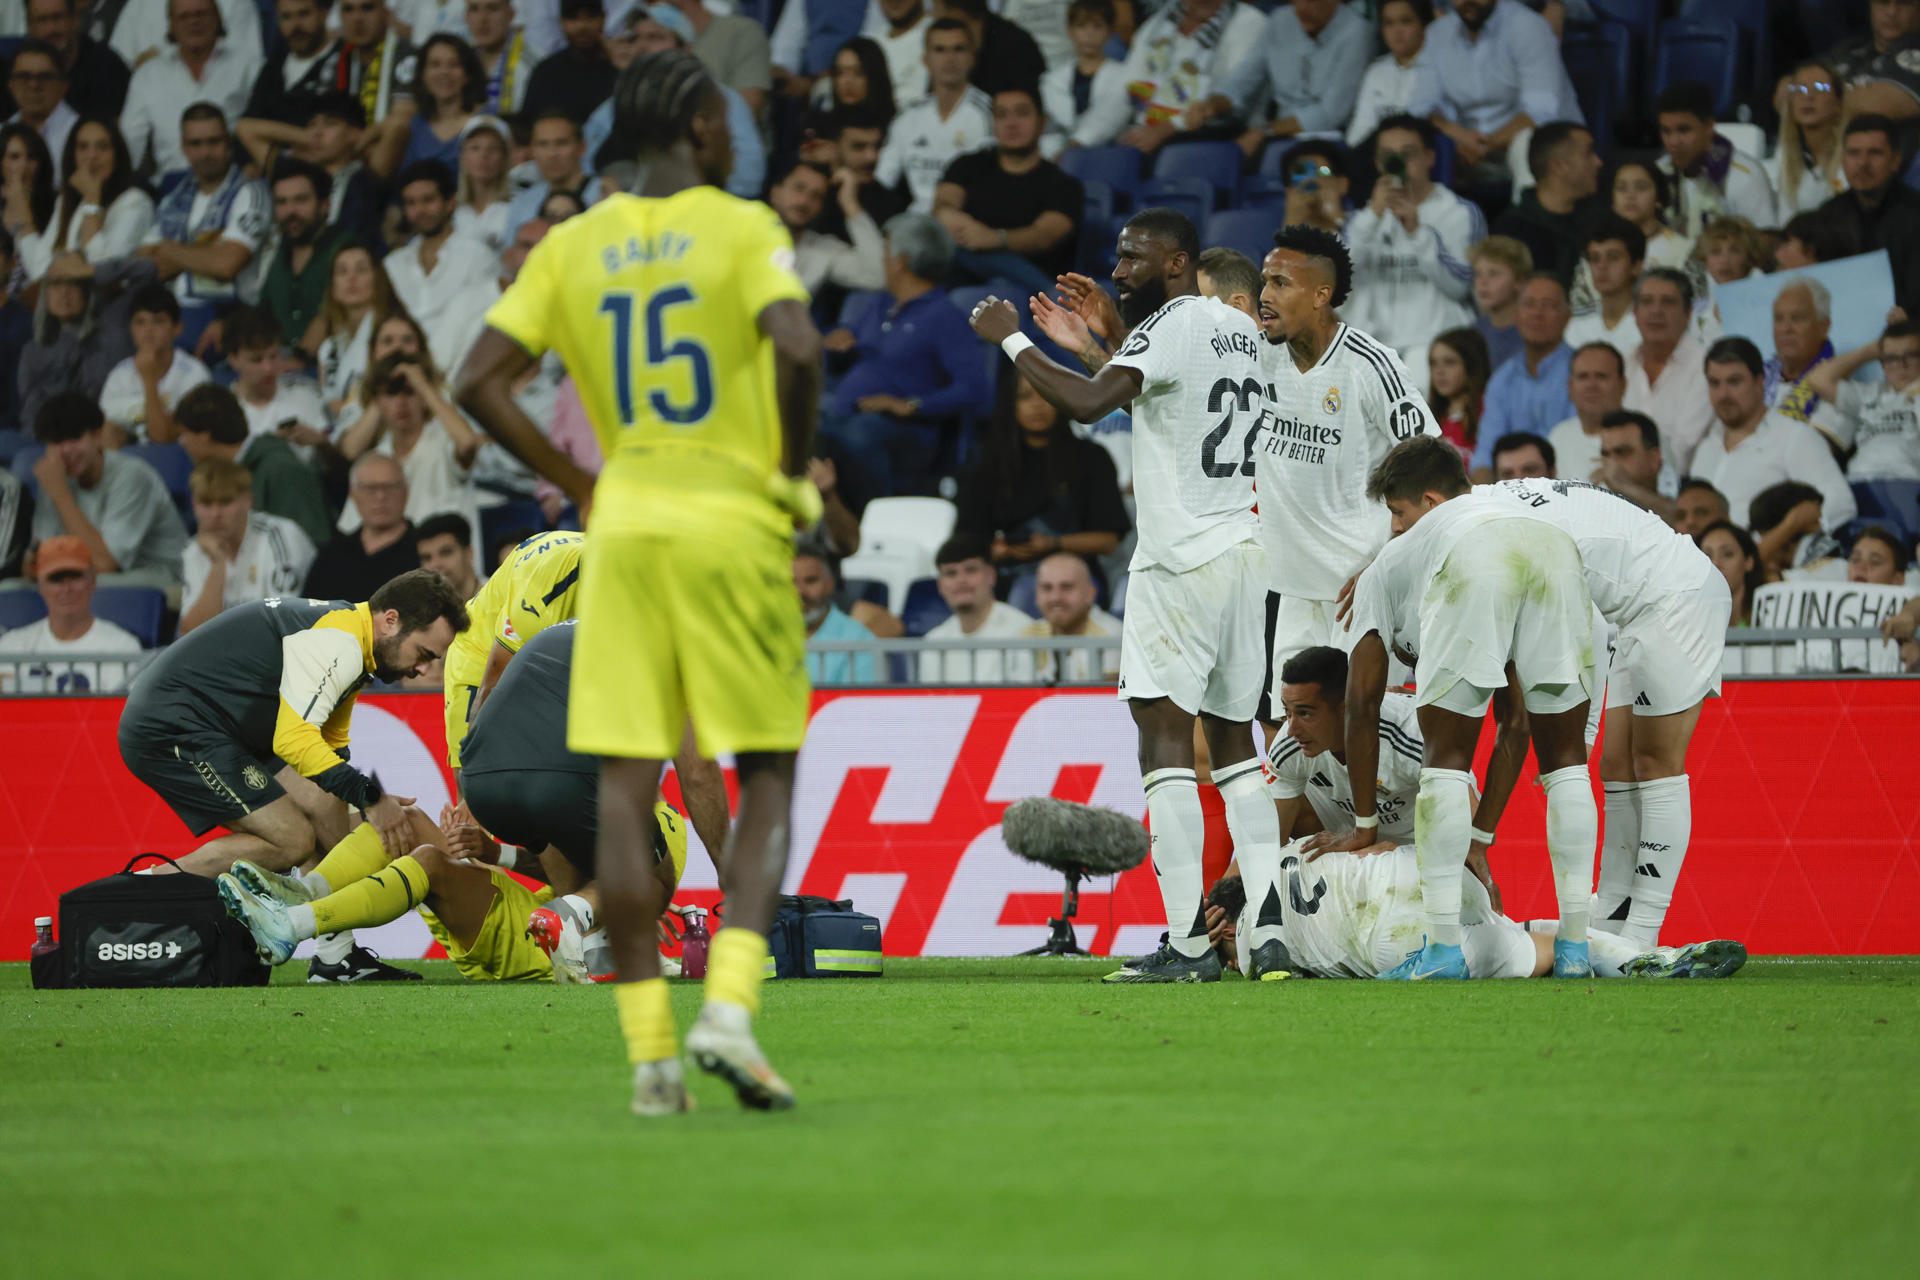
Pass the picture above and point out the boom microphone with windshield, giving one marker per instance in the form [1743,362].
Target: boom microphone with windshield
[1076,840]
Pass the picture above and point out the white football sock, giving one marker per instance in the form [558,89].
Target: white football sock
[333,948]
[1610,953]
[1666,825]
[1178,837]
[1255,827]
[1442,835]
[1619,848]
[1573,829]
[303,922]
[315,882]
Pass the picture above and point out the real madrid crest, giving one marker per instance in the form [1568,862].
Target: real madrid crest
[254,777]
[1331,404]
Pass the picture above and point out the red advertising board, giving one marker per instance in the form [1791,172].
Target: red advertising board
[1806,826]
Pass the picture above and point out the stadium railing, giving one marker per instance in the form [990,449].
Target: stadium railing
[1751,654]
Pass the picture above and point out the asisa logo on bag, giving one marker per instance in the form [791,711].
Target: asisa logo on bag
[111,951]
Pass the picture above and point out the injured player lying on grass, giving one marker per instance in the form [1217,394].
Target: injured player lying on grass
[1358,915]
[493,927]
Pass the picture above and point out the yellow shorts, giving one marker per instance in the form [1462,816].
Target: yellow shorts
[501,951]
[672,627]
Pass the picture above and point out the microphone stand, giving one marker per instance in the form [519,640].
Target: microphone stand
[1060,941]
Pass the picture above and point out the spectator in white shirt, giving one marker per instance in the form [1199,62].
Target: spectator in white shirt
[210,230]
[1878,421]
[1596,383]
[1179,57]
[1392,80]
[38,81]
[446,282]
[859,262]
[1493,72]
[1615,252]
[1411,274]
[274,400]
[1710,175]
[406,415]
[194,65]
[953,119]
[64,572]
[141,391]
[1066,597]
[901,33]
[1751,448]
[1805,170]
[146,29]
[1631,465]
[1086,96]
[967,579]
[359,297]
[102,213]
[445,544]
[1666,373]
[237,554]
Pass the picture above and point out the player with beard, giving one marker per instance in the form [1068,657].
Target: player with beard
[1189,367]
[1340,400]
[243,723]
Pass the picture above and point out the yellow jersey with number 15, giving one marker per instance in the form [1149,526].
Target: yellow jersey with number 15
[654,305]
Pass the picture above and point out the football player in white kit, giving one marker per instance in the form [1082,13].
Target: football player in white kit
[1350,915]
[1670,606]
[1339,401]
[1478,597]
[1307,763]
[1192,644]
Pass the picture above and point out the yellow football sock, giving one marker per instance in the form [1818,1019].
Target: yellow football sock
[385,895]
[646,1020]
[354,858]
[736,965]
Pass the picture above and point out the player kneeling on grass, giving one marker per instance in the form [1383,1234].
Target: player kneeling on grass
[1356,915]
[526,788]
[244,723]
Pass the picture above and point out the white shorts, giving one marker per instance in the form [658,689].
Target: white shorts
[1603,639]
[1668,657]
[1199,637]
[1512,590]
[1497,947]
[1300,623]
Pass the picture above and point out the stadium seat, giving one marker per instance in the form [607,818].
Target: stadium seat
[871,590]
[12,442]
[1599,59]
[1754,22]
[924,609]
[1025,594]
[1704,49]
[170,460]
[1641,17]
[1443,158]
[503,518]
[900,526]
[1194,197]
[1117,167]
[1248,230]
[1217,163]
[1750,138]
[20,609]
[1264,193]
[895,573]
[22,465]
[1896,503]
[138,609]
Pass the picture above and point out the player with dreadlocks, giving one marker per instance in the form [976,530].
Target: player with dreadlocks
[679,314]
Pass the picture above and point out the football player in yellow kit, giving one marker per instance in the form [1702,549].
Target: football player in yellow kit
[685,327]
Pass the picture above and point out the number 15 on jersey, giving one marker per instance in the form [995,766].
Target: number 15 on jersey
[680,365]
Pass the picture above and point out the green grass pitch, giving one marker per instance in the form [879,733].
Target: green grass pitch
[976,1119]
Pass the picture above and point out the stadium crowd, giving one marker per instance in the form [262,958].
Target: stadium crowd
[244,246]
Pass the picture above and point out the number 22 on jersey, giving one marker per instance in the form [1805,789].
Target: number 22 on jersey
[1238,399]
[667,366]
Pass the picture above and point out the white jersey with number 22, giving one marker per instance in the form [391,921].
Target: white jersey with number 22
[1201,406]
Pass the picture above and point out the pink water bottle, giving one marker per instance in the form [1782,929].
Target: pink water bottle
[43,938]
[693,947]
